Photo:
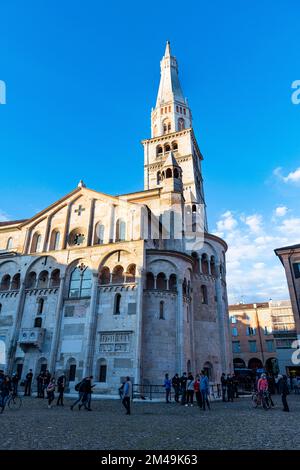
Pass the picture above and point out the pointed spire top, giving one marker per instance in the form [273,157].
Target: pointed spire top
[168,50]
[81,184]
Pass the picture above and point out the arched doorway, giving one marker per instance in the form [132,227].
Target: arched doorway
[255,363]
[239,363]
[208,369]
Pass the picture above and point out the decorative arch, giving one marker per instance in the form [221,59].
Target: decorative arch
[55,240]
[255,363]
[120,230]
[16,282]
[36,244]
[161,281]
[104,275]
[204,264]
[55,278]
[99,234]
[118,275]
[9,243]
[43,280]
[131,273]
[159,151]
[5,283]
[173,282]
[30,282]
[150,281]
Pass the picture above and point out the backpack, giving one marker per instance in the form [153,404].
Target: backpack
[77,386]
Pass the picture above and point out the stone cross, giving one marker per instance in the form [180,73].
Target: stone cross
[80,209]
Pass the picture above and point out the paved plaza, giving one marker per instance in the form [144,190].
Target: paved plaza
[151,426]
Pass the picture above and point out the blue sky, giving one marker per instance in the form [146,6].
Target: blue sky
[82,77]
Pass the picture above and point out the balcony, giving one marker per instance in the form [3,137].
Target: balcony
[31,337]
[283,330]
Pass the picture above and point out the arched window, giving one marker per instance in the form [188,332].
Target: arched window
[43,280]
[159,151]
[204,263]
[15,283]
[36,245]
[180,124]
[102,370]
[80,283]
[117,304]
[38,322]
[184,287]
[130,274]
[40,306]
[99,234]
[194,218]
[118,275]
[55,278]
[54,240]
[9,243]
[195,262]
[120,230]
[150,281]
[212,266]
[203,292]
[158,177]
[76,237]
[161,310]
[104,276]
[169,173]
[174,146]
[31,280]
[161,281]
[169,127]
[173,282]
[5,283]
[167,148]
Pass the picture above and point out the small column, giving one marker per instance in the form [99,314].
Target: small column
[57,328]
[46,240]
[91,327]
[179,330]
[139,326]
[91,223]
[221,320]
[66,227]
[16,329]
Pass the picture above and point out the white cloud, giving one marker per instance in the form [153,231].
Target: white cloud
[254,222]
[292,177]
[254,273]
[281,211]
[227,222]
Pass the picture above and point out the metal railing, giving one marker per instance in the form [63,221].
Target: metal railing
[152,392]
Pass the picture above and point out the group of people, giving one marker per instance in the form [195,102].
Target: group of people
[229,386]
[187,387]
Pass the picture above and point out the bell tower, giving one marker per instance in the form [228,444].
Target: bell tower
[172,131]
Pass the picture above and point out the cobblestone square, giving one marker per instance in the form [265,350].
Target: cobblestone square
[151,426]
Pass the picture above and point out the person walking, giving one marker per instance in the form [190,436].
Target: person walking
[230,389]
[284,390]
[204,389]
[28,382]
[190,390]
[5,390]
[168,386]
[80,388]
[183,381]
[14,383]
[39,383]
[127,394]
[176,387]
[223,386]
[197,390]
[61,383]
[87,396]
[50,392]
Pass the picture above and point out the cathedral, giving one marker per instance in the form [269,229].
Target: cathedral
[128,285]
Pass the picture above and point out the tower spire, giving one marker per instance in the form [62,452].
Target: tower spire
[171,112]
